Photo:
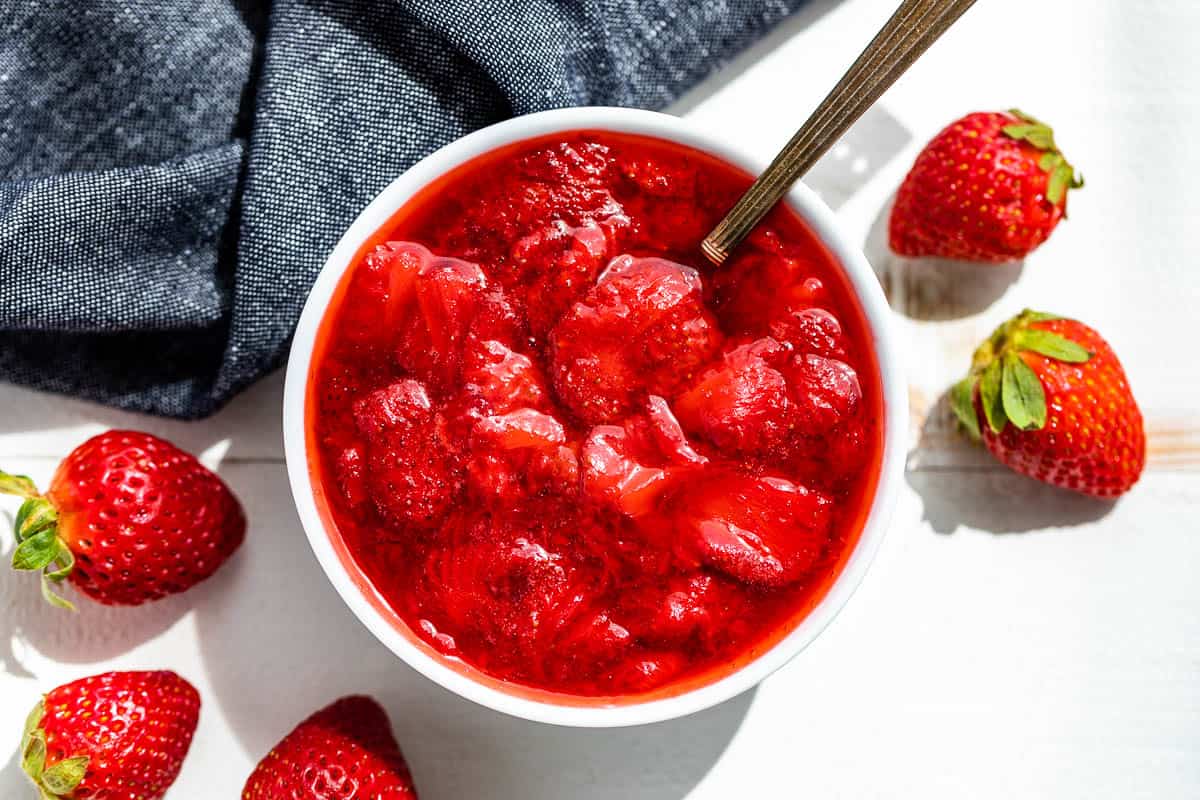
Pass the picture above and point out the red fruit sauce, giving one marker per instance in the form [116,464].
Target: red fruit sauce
[568,452]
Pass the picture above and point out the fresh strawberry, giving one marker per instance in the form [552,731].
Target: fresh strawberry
[990,187]
[1050,399]
[345,751]
[116,736]
[128,518]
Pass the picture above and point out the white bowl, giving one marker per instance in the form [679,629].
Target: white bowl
[370,608]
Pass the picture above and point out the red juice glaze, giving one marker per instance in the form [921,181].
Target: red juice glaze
[569,453]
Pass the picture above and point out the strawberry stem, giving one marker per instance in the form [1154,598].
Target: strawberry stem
[39,547]
[57,780]
[19,485]
[1009,389]
[1063,176]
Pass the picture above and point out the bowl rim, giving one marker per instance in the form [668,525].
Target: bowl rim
[823,223]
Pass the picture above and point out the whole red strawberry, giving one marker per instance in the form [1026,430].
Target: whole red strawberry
[1050,399]
[990,187]
[116,736]
[128,518]
[346,750]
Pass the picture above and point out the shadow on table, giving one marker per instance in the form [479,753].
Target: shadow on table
[960,484]
[857,156]
[277,643]
[870,142]
[934,289]
[94,633]
[14,783]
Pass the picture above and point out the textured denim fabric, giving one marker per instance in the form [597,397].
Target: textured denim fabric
[173,174]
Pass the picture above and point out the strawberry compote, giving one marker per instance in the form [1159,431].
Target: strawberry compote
[567,451]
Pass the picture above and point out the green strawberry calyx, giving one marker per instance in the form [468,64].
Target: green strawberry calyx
[1063,176]
[1008,388]
[39,547]
[57,780]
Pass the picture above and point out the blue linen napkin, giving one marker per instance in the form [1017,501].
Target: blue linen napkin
[173,174]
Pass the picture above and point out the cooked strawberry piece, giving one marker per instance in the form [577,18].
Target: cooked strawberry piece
[762,531]
[449,292]
[410,471]
[565,261]
[675,193]
[810,330]
[383,288]
[759,285]
[568,164]
[742,404]
[612,475]
[826,393]
[629,467]
[671,615]
[523,428]
[666,435]
[454,304]
[643,329]
[395,406]
[351,475]
[507,592]
[519,455]
[593,638]
[596,383]
[559,183]
[501,379]
[658,178]
[650,672]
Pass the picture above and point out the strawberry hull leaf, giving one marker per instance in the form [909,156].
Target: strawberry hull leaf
[33,757]
[63,777]
[37,551]
[990,397]
[55,599]
[1050,345]
[18,485]
[1060,178]
[1062,175]
[35,515]
[1022,394]
[962,402]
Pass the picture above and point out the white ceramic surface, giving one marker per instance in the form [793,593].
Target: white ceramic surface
[823,223]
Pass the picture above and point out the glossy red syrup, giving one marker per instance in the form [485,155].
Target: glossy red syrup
[570,454]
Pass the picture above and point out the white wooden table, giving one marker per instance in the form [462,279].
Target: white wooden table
[1010,641]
